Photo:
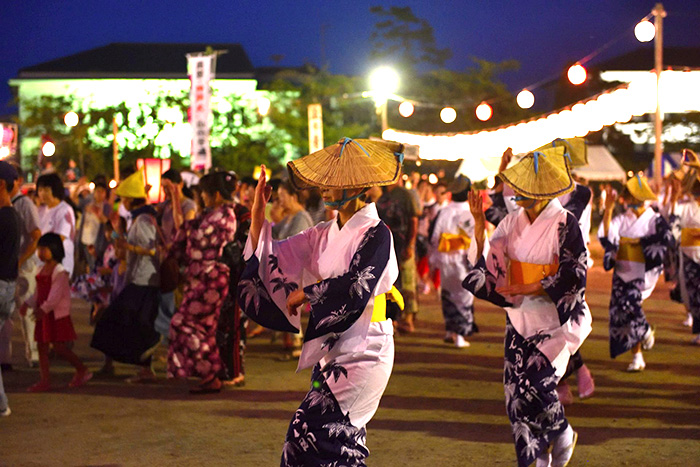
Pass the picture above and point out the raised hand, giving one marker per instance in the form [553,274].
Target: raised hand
[690,158]
[610,198]
[257,212]
[505,159]
[476,206]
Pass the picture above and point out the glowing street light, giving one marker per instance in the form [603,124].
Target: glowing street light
[484,111]
[448,115]
[383,82]
[576,74]
[525,99]
[71,119]
[48,149]
[644,31]
[406,109]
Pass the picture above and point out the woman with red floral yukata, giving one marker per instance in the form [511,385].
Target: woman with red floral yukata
[199,243]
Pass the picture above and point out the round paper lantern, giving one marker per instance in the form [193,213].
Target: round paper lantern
[484,111]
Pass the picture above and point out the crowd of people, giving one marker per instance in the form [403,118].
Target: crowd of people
[355,246]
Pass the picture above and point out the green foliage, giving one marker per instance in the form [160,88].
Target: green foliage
[240,138]
[405,40]
[408,43]
[345,112]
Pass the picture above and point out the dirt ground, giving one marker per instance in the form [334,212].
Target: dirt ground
[443,406]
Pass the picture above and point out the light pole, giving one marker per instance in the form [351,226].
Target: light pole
[383,83]
[659,15]
[644,31]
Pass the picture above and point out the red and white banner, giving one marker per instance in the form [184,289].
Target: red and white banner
[200,69]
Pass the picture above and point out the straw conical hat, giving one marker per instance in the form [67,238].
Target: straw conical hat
[576,148]
[640,189]
[133,186]
[350,163]
[540,174]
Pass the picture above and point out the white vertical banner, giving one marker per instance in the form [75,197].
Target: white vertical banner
[200,68]
[315,128]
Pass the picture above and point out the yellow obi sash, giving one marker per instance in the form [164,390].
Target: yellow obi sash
[379,311]
[690,236]
[453,242]
[629,251]
[529,273]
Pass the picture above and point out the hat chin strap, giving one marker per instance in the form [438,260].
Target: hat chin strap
[344,199]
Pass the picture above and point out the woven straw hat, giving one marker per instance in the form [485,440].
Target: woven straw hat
[576,148]
[133,186]
[540,174]
[640,189]
[350,163]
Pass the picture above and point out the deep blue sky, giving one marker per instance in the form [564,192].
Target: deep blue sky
[542,35]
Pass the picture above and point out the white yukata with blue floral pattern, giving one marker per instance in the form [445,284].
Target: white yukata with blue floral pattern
[341,271]
[542,331]
[633,281]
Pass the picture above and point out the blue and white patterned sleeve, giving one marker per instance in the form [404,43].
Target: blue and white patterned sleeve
[609,245]
[567,288]
[655,244]
[337,303]
[490,271]
[498,210]
[271,273]
[579,201]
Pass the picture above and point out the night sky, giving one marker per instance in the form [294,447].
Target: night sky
[543,35]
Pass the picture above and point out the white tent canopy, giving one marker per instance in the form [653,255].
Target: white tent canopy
[602,166]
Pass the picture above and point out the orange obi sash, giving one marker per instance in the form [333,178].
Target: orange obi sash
[453,242]
[379,310]
[690,236]
[629,251]
[529,273]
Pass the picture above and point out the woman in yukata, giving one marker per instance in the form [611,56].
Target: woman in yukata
[687,215]
[635,243]
[577,202]
[534,266]
[454,254]
[339,271]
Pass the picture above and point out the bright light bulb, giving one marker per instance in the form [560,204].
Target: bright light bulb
[576,74]
[448,115]
[432,179]
[4,152]
[48,149]
[112,184]
[383,82]
[71,119]
[525,99]
[484,111]
[644,31]
[91,186]
[406,109]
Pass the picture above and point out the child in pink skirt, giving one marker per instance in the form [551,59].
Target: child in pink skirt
[51,304]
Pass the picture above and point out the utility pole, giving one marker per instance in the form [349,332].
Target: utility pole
[659,15]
